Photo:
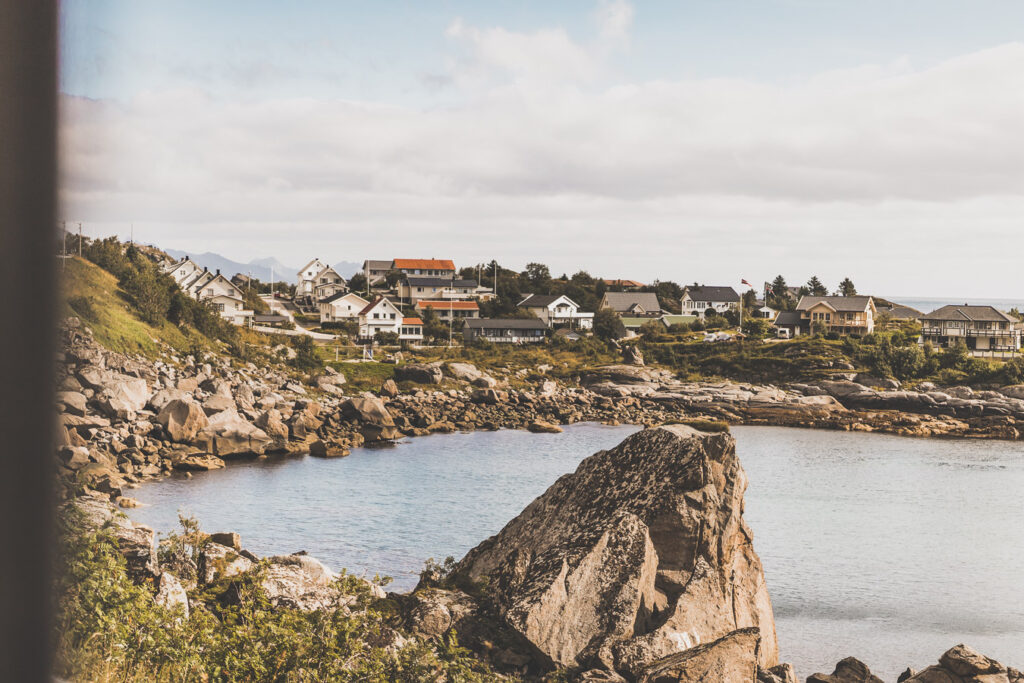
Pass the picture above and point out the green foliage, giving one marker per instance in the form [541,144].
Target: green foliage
[357,283]
[815,287]
[109,628]
[306,356]
[84,307]
[757,328]
[847,288]
[385,338]
[607,325]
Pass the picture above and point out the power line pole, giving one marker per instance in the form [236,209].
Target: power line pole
[79,240]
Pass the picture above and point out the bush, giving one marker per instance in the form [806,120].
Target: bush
[108,628]
[608,325]
[306,357]
[84,308]
[385,338]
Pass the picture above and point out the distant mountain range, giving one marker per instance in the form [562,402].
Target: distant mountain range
[259,268]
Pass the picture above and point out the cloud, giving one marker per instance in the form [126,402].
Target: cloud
[614,19]
[670,179]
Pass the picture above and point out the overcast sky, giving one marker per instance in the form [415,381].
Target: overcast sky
[691,140]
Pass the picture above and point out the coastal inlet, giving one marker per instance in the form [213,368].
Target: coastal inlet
[866,539]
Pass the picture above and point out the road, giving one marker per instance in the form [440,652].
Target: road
[280,308]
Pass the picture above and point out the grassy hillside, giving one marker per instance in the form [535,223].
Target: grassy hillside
[93,295]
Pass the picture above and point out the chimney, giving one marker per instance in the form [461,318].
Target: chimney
[218,271]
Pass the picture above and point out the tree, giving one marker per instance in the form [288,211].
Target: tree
[779,288]
[815,287]
[756,328]
[393,277]
[607,325]
[846,288]
[539,277]
[582,278]
[357,283]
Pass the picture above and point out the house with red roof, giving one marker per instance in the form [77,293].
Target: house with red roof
[450,309]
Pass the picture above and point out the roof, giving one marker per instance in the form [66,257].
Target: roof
[373,304]
[370,264]
[544,300]
[901,312]
[411,321]
[303,268]
[258,318]
[972,313]
[631,321]
[624,283]
[341,295]
[622,302]
[424,263]
[838,303]
[506,323]
[678,319]
[325,269]
[448,303]
[415,281]
[788,319]
[566,333]
[711,293]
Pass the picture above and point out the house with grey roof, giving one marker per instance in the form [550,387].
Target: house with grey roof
[839,314]
[505,330]
[986,331]
[698,300]
[415,288]
[375,270]
[558,311]
[632,304]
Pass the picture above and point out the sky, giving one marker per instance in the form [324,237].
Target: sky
[695,140]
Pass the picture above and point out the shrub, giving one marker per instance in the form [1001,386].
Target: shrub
[83,307]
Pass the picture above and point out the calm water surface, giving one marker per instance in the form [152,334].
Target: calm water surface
[885,548]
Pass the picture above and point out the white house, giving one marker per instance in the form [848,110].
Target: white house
[699,300]
[380,315]
[505,330]
[230,308]
[327,282]
[411,329]
[306,281]
[183,269]
[557,310]
[341,307]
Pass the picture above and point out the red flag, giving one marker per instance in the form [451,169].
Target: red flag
[746,283]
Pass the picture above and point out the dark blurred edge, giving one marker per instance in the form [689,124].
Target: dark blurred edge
[28,101]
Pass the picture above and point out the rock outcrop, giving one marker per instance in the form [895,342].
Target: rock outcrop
[960,664]
[640,554]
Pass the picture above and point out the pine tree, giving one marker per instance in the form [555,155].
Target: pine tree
[815,287]
[846,287]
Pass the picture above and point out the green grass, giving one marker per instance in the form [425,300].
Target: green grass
[93,295]
[364,376]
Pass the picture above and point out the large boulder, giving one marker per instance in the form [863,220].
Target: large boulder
[849,670]
[270,422]
[962,664]
[302,582]
[618,577]
[182,419]
[419,373]
[229,434]
[73,402]
[161,398]
[376,423]
[464,371]
[732,657]
[136,542]
[133,391]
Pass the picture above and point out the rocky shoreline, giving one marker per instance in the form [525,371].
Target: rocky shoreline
[654,579]
[125,419]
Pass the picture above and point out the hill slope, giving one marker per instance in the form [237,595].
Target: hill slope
[93,295]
